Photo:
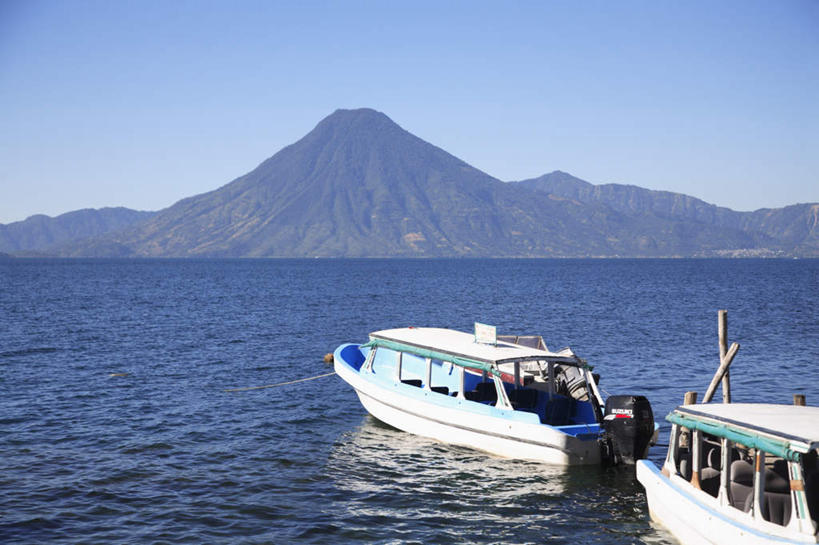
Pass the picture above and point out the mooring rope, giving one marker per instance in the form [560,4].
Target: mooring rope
[280,383]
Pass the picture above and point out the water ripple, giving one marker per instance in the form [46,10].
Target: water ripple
[160,453]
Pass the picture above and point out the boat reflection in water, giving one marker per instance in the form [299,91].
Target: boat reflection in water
[393,486]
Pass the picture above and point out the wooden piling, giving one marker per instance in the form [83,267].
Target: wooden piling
[799,399]
[722,327]
[723,367]
[690,398]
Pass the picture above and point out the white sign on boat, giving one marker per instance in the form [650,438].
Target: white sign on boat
[486,334]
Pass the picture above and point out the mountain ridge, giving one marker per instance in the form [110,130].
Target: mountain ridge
[782,224]
[40,233]
[359,185]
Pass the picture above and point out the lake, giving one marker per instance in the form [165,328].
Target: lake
[161,453]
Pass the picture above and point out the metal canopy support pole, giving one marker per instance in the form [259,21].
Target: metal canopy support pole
[696,457]
[550,371]
[429,374]
[398,361]
[725,468]
[759,484]
[503,399]
[368,364]
[461,374]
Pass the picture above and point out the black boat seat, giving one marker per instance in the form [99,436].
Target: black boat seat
[776,507]
[812,487]
[440,389]
[523,398]
[713,458]
[709,480]
[710,474]
[774,482]
[557,411]
[412,382]
[484,391]
[684,463]
[741,484]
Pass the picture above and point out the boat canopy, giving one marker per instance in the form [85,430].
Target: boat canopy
[461,349]
[787,431]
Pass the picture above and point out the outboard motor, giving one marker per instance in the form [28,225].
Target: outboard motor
[629,425]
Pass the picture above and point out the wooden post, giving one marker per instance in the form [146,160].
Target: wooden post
[722,326]
[690,398]
[799,399]
[723,367]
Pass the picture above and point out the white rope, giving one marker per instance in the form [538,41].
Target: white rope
[280,383]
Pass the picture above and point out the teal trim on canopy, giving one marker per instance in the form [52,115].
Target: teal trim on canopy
[427,353]
[777,447]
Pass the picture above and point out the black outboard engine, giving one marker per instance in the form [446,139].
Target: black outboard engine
[629,425]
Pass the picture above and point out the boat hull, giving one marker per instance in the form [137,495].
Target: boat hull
[693,521]
[450,420]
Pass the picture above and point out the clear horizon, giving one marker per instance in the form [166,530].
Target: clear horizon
[140,105]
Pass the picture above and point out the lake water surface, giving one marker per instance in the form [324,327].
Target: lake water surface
[165,455]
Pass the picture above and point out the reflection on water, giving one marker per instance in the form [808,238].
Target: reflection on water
[393,486]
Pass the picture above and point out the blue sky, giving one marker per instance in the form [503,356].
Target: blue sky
[139,104]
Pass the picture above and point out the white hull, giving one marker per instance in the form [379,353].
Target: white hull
[501,436]
[688,515]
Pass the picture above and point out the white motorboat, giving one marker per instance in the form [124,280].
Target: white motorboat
[738,473]
[509,397]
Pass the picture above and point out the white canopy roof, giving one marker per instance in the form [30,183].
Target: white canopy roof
[460,344]
[791,422]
